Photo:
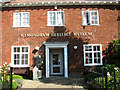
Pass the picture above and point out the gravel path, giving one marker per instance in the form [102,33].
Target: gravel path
[71,83]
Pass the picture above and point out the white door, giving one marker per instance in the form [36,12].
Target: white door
[56,63]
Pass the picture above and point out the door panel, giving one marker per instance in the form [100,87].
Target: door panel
[56,63]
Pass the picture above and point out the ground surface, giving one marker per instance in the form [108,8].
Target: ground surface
[74,82]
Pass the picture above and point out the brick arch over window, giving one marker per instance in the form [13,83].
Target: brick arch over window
[20,42]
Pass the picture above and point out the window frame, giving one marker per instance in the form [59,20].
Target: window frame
[22,25]
[93,64]
[12,56]
[89,11]
[48,19]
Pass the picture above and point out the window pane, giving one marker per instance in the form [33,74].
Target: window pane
[56,69]
[22,61]
[94,19]
[26,56]
[56,59]
[25,19]
[98,54]
[95,60]
[87,17]
[98,48]
[52,18]
[24,49]
[14,49]
[88,57]
[18,19]
[88,61]
[97,57]
[22,56]
[98,60]
[18,49]
[17,61]
[94,48]
[60,18]
[15,56]
[88,48]
[14,61]
[26,61]
[18,56]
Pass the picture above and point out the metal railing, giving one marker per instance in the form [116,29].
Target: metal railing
[100,79]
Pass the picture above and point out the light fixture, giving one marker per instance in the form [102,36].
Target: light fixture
[37,48]
[55,7]
[75,47]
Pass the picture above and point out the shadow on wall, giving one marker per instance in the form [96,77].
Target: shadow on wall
[75,57]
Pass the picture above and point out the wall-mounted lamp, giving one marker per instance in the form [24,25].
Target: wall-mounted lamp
[75,47]
[37,48]
[55,7]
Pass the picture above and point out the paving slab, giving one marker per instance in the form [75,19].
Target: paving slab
[72,83]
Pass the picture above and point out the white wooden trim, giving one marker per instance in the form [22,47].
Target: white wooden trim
[47,62]
[93,64]
[97,17]
[22,25]
[12,56]
[56,45]
[65,63]
[48,19]
[85,24]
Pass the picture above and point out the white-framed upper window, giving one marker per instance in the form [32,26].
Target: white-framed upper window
[20,56]
[56,18]
[92,54]
[90,17]
[21,19]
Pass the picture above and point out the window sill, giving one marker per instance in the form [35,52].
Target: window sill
[20,26]
[91,25]
[16,66]
[55,25]
[93,64]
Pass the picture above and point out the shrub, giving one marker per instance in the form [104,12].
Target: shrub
[18,79]
[6,85]
[110,82]
[110,68]
[89,76]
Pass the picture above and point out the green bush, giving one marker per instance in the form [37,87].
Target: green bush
[89,76]
[110,68]
[6,85]
[110,82]
[18,79]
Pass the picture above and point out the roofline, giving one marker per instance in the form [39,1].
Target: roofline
[60,3]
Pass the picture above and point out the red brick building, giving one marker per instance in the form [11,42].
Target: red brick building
[65,36]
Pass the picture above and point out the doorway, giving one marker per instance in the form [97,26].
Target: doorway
[56,62]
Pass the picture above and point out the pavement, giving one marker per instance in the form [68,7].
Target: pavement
[74,82]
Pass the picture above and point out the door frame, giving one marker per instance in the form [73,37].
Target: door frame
[57,45]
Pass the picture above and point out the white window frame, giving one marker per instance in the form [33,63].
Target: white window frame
[84,18]
[48,18]
[22,25]
[12,56]
[93,64]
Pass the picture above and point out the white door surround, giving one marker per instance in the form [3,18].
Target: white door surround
[58,45]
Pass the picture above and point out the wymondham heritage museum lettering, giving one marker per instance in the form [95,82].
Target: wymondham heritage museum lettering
[57,34]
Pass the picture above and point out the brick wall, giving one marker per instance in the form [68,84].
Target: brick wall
[102,34]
